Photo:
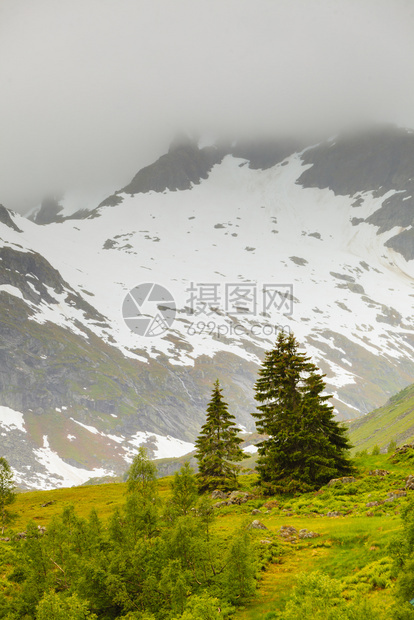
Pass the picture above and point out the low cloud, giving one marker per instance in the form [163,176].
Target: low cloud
[92,90]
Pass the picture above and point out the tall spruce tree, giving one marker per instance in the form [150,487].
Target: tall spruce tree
[218,446]
[305,447]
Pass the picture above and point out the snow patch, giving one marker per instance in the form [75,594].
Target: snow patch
[61,474]
[11,419]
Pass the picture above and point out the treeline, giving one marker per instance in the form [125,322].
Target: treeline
[153,559]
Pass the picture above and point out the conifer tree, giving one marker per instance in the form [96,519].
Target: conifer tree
[218,446]
[305,447]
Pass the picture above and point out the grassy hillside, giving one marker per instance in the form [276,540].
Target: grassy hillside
[352,546]
[393,421]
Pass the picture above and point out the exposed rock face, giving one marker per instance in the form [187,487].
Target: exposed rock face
[49,212]
[409,484]
[184,165]
[6,219]
[379,160]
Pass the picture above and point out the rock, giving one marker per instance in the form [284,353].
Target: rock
[409,483]
[257,525]
[371,504]
[6,539]
[403,449]
[47,503]
[239,497]
[220,504]
[256,511]
[21,535]
[336,481]
[271,504]
[334,513]
[395,495]
[378,472]
[287,531]
[265,541]
[304,533]
[217,494]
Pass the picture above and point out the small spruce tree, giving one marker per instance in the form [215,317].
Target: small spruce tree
[305,446]
[218,446]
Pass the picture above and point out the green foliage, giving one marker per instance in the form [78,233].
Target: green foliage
[7,492]
[318,597]
[60,607]
[402,549]
[218,446]
[240,582]
[306,447]
[377,574]
[392,446]
[202,607]
[184,488]
[142,476]
[375,450]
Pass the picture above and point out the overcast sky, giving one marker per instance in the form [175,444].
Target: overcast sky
[93,90]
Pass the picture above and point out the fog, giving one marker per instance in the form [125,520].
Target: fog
[93,90]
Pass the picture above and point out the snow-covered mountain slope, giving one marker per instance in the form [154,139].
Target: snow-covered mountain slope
[246,241]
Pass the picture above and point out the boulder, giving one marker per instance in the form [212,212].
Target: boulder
[378,472]
[345,480]
[256,511]
[257,525]
[288,531]
[334,513]
[395,495]
[239,497]
[304,533]
[409,483]
[220,504]
[217,494]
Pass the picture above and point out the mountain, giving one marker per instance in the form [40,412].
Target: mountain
[394,421]
[116,320]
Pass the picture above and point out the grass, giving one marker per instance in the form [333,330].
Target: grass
[392,421]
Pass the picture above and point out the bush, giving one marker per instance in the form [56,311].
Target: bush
[392,446]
